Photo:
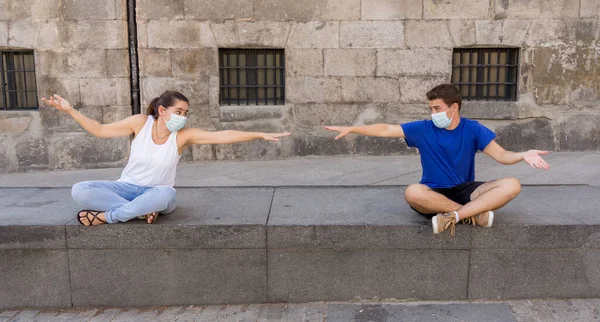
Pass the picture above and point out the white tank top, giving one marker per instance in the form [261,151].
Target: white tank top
[151,164]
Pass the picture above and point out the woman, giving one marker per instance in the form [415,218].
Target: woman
[145,188]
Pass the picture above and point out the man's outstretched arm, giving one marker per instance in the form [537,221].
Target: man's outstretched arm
[381,130]
[532,157]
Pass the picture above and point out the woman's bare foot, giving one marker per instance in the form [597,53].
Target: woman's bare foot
[91,217]
[151,217]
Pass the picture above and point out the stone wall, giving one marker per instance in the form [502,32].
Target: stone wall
[80,49]
[347,62]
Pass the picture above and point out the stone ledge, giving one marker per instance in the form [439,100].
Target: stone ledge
[492,110]
[296,244]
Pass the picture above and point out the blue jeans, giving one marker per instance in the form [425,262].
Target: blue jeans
[122,201]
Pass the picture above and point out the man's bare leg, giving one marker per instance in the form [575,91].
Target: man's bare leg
[491,195]
[427,201]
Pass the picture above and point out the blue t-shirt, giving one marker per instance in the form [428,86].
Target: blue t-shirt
[447,156]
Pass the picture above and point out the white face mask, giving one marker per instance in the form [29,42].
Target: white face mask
[441,119]
[176,122]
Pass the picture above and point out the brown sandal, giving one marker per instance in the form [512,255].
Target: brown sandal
[91,216]
[150,218]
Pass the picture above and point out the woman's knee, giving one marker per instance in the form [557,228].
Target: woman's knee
[80,191]
[165,194]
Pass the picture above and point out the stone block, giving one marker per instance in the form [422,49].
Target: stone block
[368,145]
[325,114]
[88,152]
[155,62]
[85,63]
[428,34]
[317,144]
[213,96]
[494,110]
[187,276]
[32,10]
[109,34]
[48,63]
[14,124]
[203,153]
[462,32]
[22,33]
[522,136]
[194,62]
[67,88]
[311,10]
[313,90]
[195,89]
[41,280]
[349,275]
[589,9]
[587,33]
[3,33]
[536,9]
[502,32]
[304,62]
[372,34]
[261,34]
[391,10]
[32,237]
[250,113]
[369,89]
[199,117]
[160,10]
[314,34]
[349,62]
[111,114]
[57,121]
[105,91]
[550,33]
[526,273]
[142,34]
[253,150]
[461,9]
[579,133]
[413,89]
[89,10]
[117,63]
[179,34]
[218,11]
[32,153]
[552,72]
[425,62]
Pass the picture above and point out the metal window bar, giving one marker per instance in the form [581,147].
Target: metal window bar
[15,84]
[251,78]
[479,65]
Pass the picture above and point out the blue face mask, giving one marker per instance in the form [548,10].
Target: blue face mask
[176,122]
[441,120]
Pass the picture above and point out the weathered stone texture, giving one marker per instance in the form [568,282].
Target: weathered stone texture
[111,34]
[308,10]
[85,63]
[580,133]
[459,9]
[14,123]
[462,32]
[216,10]
[415,62]
[316,115]
[88,152]
[413,89]
[372,34]
[536,9]
[391,9]
[304,62]
[160,10]
[314,35]
[502,32]
[32,153]
[428,34]
[263,34]
[194,62]
[89,9]
[117,63]
[155,62]
[116,113]
[33,10]
[104,91]
[313,90]
[522,136]
[589,9]
[67,88]
[195,89]
[58,121]
[551,73]
[368,89]
[3,33]
[349,62]
[550,33]
[179,34]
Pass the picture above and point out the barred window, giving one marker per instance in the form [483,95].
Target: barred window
[486,73]
[252,77]
[17,74]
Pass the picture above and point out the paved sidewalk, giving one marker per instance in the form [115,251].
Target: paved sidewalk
[566,168]
[509,311]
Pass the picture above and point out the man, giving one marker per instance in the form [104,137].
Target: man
[448,192]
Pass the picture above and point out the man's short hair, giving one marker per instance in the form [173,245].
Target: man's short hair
[446,92]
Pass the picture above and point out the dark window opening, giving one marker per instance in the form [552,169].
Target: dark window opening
[486,73]
[252,77]
[17,76]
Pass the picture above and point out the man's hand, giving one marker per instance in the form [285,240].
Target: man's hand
[343,130]
[533,158]
[274,136]
[59,103]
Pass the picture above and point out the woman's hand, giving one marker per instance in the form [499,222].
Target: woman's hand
[274,136]
[59,103]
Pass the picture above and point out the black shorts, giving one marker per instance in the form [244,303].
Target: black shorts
[460,194]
